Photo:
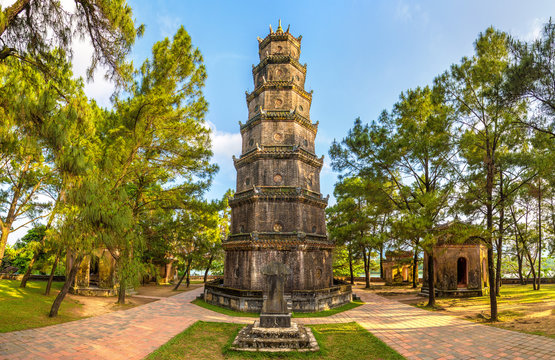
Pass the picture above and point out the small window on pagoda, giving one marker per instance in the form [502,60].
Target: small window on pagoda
[278,227]
[305,142]
[257,108]
[242,229]
[301,108]
[237,272]
[279,49]
[297,78]
[248,181]
[251,142]
[314,229]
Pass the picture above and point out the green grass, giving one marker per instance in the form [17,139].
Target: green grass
[28,308]
[222,310]
[211,341]
[509,294]
[323,313]
[330,312]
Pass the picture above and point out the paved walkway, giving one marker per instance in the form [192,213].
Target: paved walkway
[134,333]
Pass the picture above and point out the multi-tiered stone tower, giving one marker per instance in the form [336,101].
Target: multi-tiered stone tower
[278,211]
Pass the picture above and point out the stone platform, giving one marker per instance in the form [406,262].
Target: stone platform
[300,300]
[93,291]
[256,338]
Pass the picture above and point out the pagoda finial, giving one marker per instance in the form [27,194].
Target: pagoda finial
[279,29]
[288,26]
[271,30]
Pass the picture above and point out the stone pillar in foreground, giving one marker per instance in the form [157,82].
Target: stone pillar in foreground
[274,309]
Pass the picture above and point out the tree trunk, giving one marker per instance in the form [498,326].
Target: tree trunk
[11,216]
[489,227]
[23,283]
[121,292]
[415,268]
[180,280]
[525,250]
[3,242]
[519,261]
[381,260]
[51,277]
[208,268]
[431,281]
[533,269]
[188,282]
[351,266]
[501,231]
[366,269]
[69,281]
[539,232]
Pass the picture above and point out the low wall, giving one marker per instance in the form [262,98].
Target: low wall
[298,300]
[92,291]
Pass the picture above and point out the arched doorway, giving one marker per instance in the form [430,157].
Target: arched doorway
[462,272]
[94,271]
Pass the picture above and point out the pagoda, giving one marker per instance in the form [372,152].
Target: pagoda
[277,211]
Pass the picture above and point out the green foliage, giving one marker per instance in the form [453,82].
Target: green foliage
[341,266]
[358,221]
[19,258]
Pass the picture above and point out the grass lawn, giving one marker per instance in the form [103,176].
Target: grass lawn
[520,308]
[29,308]
[323,313]
[206,340]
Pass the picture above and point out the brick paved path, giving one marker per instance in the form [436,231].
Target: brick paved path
[134,333]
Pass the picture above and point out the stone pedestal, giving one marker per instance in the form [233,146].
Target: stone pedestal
[257,338]
[275,320]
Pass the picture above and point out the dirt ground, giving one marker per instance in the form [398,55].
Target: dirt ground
[520,308]
[93,306]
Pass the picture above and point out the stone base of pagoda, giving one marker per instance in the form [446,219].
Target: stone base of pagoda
[298,300]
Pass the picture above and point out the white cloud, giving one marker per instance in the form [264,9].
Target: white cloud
[224,146]
[98,88]
[535,30]
[406,11]
[168,25]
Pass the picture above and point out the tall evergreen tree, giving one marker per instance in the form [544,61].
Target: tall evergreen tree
[487,122]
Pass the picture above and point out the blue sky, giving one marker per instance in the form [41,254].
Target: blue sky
[361,55]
